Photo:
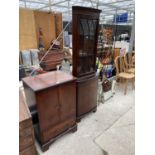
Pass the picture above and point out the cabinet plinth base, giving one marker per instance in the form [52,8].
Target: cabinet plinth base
[78,118]
[45,146]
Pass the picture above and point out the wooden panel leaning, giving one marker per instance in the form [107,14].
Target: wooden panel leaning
[46,22]
[27,32]
[26,132]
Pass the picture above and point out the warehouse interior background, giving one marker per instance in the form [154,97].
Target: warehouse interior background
[122,121]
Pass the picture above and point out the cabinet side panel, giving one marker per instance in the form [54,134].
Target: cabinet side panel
[74,42]
[29,96]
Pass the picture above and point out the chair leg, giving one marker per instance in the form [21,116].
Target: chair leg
[126,84]
[122,80]
[117,80]
[133,85]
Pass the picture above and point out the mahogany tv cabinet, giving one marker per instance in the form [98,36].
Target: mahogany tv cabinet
[54,95]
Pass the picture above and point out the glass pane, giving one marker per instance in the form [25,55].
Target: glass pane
[85,26]
[87,32]
[94,23]
[91,27]
[86,65]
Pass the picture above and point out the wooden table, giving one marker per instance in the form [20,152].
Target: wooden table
[54,95]
[26,131]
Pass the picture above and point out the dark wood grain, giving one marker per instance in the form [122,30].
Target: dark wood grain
[91,14]
[87,96]
[84,56]
[55,101]
[47,80]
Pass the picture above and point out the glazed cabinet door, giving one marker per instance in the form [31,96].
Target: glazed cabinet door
[86,51]
[85,30]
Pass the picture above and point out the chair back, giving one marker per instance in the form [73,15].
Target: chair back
[120,64]
[129,59]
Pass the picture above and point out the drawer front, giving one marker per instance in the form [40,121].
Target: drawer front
[28,151]
[26,132]
[25,124]
[56,130]
[26,138]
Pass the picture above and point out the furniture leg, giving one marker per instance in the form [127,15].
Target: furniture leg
[117,80]
[74,129]
[78,120]
[133,85]
[45,148]
[95,110]
[126,84]
[120,80]
[102,96]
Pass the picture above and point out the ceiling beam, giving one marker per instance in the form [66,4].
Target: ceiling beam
[110,6]
[53,4]
[106,11]
[61,6]
[121,1]
[31,1]
[50,7]
[103,11]
[25,4]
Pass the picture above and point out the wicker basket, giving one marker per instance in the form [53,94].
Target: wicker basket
[106,85]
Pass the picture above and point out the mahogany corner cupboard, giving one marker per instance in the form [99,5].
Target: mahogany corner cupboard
[54,96]
[85,22]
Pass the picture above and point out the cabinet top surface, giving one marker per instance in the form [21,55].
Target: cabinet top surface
[85,9]
[24,112]
[46,80]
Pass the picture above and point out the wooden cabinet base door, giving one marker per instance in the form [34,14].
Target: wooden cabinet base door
[86,96]
[54,95]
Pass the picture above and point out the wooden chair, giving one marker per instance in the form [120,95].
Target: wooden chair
[121,72]
[129,59]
